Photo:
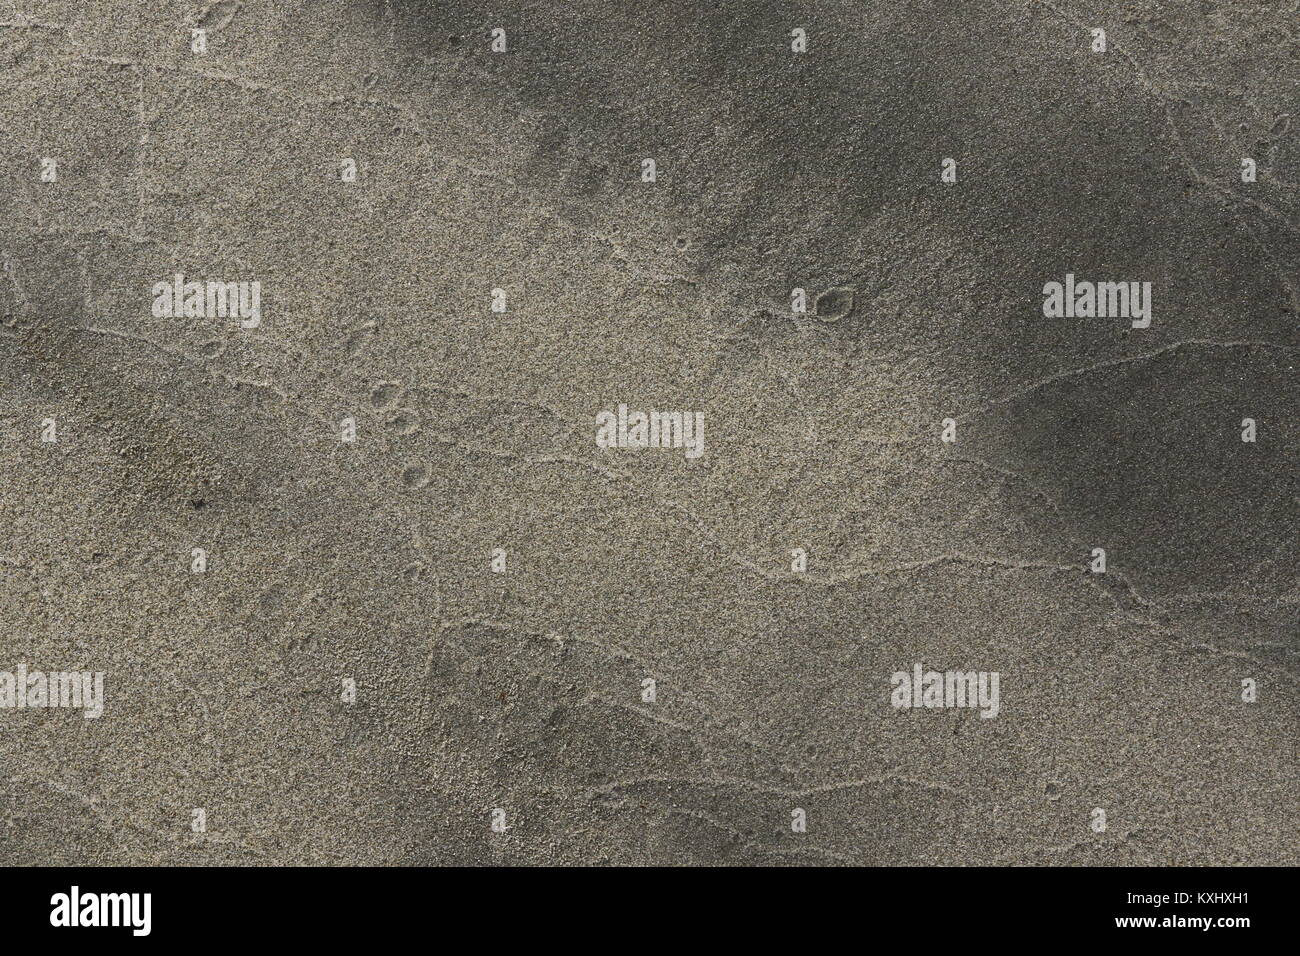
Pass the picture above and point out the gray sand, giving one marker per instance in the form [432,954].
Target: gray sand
[368,563]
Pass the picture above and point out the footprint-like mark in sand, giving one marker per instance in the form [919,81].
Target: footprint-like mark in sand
[384,394]
[834,304]
[415,476]
[405,421]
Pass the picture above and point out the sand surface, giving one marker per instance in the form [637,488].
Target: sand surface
[369,563]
